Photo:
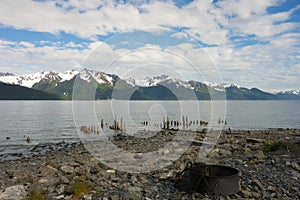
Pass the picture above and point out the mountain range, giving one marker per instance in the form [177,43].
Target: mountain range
[57,85]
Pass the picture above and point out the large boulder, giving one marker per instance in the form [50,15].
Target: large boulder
[16,192]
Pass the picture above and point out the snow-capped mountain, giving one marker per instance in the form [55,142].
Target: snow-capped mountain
[221,87]
[158,80]
[29,80]
[148,81]
[100,77]
[156,88]
[290,92]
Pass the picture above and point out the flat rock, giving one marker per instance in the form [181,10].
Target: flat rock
[16,192]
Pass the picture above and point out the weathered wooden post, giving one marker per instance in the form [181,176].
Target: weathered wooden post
[121,123]
[168,123]
[101,124]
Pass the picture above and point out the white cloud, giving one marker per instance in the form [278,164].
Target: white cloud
[47,17]
[24,57]
[278,55]
[203,20]
[251,17]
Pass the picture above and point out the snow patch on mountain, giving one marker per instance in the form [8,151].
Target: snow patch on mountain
[100,77]
[147,81]
[158,80]
[68,75]
[177,82]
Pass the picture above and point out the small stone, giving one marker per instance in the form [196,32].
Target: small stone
[295,166]
[294,188]
[288,163]
[60,197]
[260,155]
[43,181]
[245,193]
[138,156]
[60,189]
[64,180]
[258,183]
[69,189]
[133,179]
[256,195]
[273,195]
[225,152]
[67,169]
[271,188]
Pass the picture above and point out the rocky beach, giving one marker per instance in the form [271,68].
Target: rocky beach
[267,160]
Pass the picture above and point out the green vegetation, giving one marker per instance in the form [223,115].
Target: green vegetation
[36,193]
[80,188]
[16,92]
[273,146]
[289,146]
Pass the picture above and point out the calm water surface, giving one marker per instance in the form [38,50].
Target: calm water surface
[53,121]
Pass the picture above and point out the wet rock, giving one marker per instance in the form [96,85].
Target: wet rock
[16,192]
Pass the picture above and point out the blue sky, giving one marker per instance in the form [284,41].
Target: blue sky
[253,43]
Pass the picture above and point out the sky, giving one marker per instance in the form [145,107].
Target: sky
[252,43]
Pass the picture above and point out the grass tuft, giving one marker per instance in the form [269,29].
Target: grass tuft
[274,146]
[36,193]
[80,188]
